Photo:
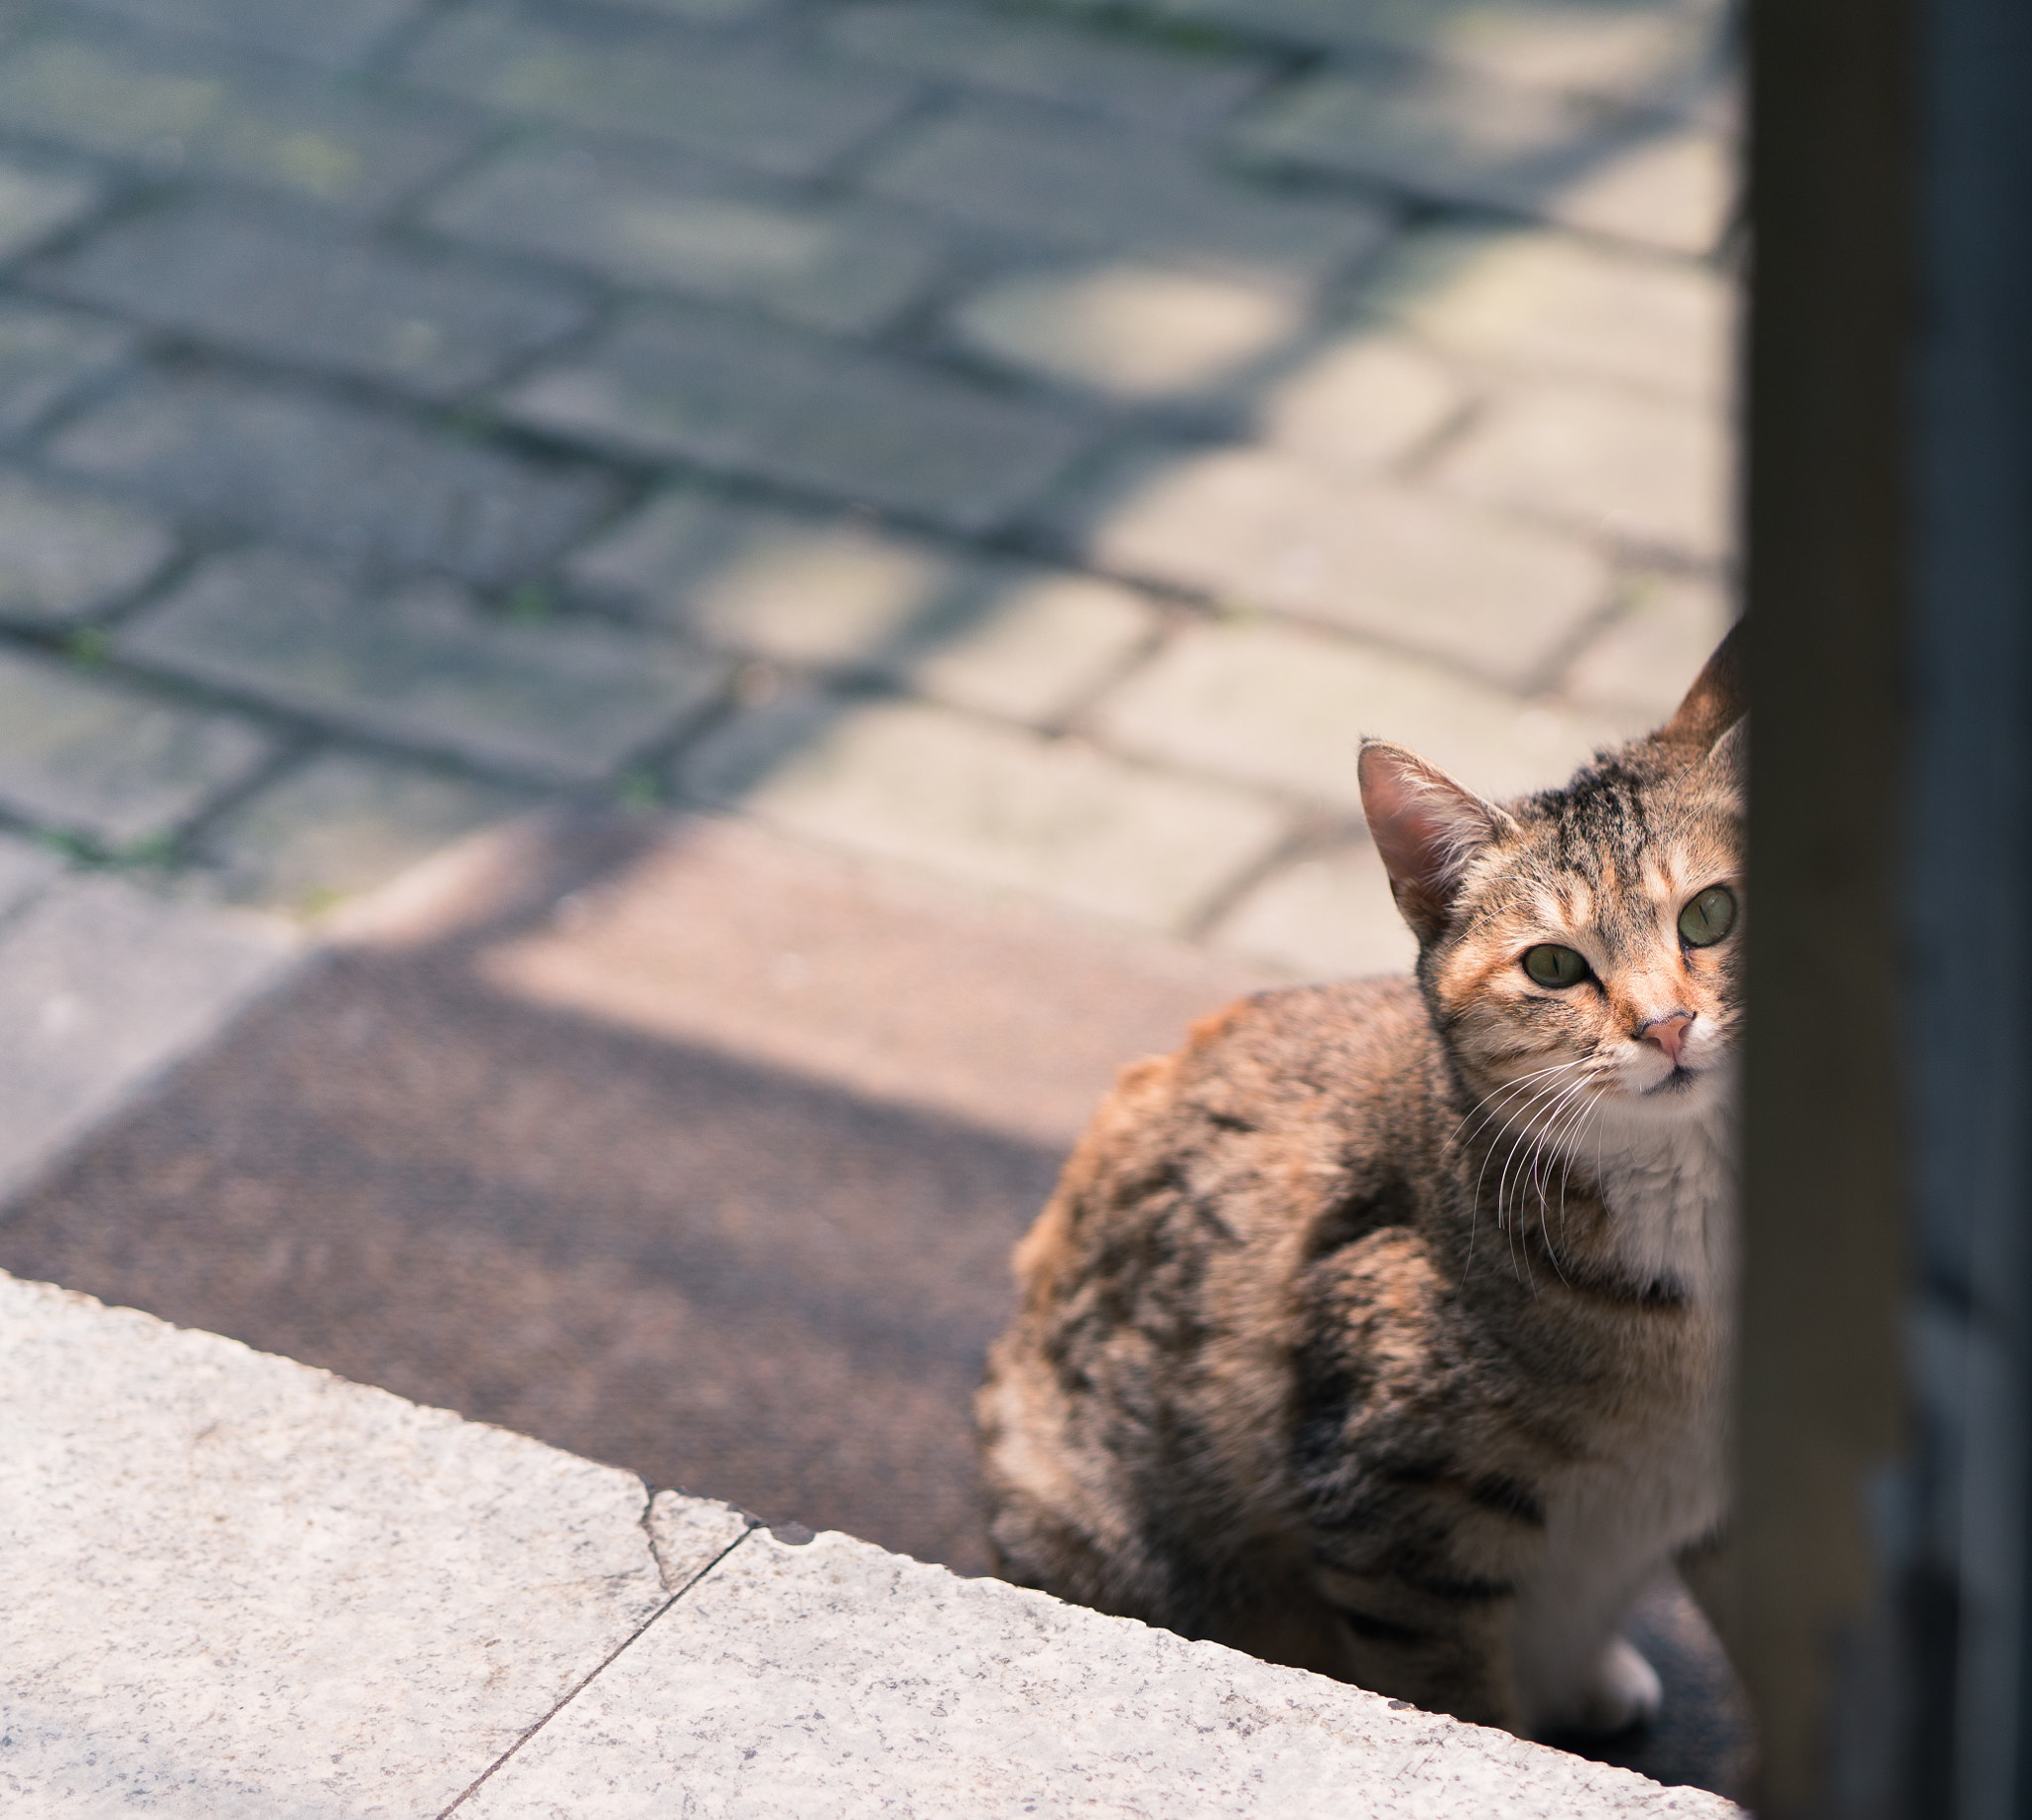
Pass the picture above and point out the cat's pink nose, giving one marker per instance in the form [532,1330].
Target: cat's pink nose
[1668,1033]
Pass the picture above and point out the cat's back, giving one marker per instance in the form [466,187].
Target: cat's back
[1157,1317]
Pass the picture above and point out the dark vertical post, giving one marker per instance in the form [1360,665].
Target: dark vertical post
[1826,547]
[1882,1604]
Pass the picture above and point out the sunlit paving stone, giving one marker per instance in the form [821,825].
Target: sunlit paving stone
[1288,708]
[1521,150]
[1527,301]
[1004,808]
[1324,915]
[1640,50]
[1258,530]
[1662,633]
[1357,401]
[843,593]
[1131,332]
[1648,473]
[342,824]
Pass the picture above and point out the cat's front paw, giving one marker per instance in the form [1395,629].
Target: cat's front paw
[1623,1693]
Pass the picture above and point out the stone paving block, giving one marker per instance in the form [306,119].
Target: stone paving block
[66,555]
[842,594]
[336,32]
[611,74]
[27,869]
[48,357]
[344,824]
[1327,915]
[179,107]
[1528,151]
[703,12]
[1653,50]
[1674,187]
[1096,188]
[95,757]
[1160,87]
[1286,707]
[1358,400]
[241,1588]
[1130,331]
[39,200]
[1004,808]
[293,291]
[561,699]
[1653,648]
[1254,529]
[747,398]
[1644,470]
[832,1678]
[642,220]
[688,1534]
[1543,304]
[310,469]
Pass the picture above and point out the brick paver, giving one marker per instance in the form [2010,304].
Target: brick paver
[175,108]
[586,68]
[658,223]
[1099,187]
[1161,87]
[298,291]
[305,468]
[424,665]
[83,755]
[342,823]
[841,594]
[1033,443]
[1006,808]
[66,555]
[339,32]
[1256,529]
[747,399]
[1287,709]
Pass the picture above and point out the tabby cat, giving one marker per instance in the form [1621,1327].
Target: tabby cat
[1384,1329]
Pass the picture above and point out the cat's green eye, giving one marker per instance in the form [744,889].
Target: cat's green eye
[1550,965]
[1710,917]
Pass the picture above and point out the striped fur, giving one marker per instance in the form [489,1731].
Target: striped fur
[1383,1329]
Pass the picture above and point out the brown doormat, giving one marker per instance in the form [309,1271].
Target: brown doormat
[676,1145]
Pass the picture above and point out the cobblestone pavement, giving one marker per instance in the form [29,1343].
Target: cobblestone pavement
[1028,442]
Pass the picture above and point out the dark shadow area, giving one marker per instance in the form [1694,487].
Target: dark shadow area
[718,1276]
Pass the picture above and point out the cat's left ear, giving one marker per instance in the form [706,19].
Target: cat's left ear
[1427,829]
[1718,698]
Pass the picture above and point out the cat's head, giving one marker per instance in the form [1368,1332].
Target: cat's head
[1583,947]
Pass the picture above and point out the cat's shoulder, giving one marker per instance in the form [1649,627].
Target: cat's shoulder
[1347,1041]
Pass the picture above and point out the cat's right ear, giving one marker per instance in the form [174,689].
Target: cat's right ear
[1427,829]
[1720,696]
